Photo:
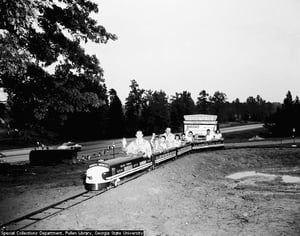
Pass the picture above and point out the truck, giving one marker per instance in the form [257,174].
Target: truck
[199,124]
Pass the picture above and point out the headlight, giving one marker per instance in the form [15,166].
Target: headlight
[104,175]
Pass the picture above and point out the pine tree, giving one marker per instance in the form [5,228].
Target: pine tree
[133,108]
[203,103]
[181,104]
[116,121]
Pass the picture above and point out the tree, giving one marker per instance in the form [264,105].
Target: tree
[296,101]
[58,28]
[203,103]
[286,118]
[15,20]
[250,108]
[155,113]
[218,100]
[237,109]
[85,124]
[256,108]
[133,108]
[288,100]
[261,109]
[181,104]
[115,116]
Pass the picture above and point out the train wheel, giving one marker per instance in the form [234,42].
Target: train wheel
[116,182]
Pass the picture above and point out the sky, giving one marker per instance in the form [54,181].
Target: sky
[240,47]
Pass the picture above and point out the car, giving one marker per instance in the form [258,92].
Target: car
[70,146]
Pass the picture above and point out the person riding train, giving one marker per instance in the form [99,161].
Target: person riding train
[190,137]
[218,135]
[159,144]
[139,146]
[177,142]
[209,135]
[170,138]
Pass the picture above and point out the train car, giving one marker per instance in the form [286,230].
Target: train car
[171,153]
[164,156]
[95,176]
[184,149]
[102,174]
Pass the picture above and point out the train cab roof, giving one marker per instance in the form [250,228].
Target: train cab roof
[125,159]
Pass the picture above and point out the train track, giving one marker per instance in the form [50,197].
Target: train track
[109,152]
[23,222]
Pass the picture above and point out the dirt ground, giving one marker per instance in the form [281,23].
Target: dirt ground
[189,196]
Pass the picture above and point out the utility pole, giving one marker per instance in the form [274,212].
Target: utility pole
[293,136]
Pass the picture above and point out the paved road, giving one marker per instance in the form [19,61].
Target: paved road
[22,155]
[240,128]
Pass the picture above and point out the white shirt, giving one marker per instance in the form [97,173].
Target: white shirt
[218,136]
[189,138]
[210,136]
[170,138]
[139,146]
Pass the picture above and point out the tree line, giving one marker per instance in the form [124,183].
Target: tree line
[285,121]
[153,111]
[150,111]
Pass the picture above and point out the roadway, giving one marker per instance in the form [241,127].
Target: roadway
[240,128]
[21,156]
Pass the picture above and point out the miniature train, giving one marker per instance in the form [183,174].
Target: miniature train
[105,173]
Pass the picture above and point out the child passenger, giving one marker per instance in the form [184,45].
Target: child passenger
[155,142]
[218,135]
[159,144]
[183,138]
[177,141]
[163,143]
[190,137]
[209,135]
